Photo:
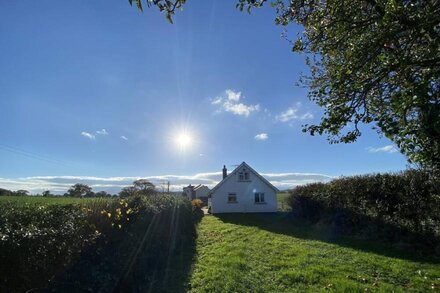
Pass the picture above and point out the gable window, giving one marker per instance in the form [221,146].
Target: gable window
[259,197]
[232,198]
[243,175]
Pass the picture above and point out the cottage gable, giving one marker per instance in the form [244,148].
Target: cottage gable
[244,173]
[243,191]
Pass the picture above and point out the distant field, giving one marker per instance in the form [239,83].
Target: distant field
[38,200]
[282,205]
[271,253]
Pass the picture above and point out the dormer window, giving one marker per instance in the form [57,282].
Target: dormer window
[243,175]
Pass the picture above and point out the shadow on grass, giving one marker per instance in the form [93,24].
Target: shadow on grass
[155,255]
[284,223]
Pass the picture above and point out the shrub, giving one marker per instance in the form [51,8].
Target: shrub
[90,244]
[401,206]
[197,203]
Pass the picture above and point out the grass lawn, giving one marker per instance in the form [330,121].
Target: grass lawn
[272,253]
[39,200]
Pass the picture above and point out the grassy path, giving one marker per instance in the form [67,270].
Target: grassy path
[271,253]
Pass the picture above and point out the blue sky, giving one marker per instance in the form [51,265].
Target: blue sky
[71,69]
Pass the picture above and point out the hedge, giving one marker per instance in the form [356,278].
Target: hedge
[398,207]
[98,246]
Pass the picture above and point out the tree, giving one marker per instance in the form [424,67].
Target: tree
[102,194]
[371,62]
[5,192]
[139,187]
[46,193]
[80,190]
[144,187]
[128,191]
[22,192]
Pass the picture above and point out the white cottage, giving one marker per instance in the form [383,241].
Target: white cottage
[243,191]
[197,192]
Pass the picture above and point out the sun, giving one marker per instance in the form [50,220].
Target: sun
[183,140]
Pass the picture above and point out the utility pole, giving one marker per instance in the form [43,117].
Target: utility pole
[168,187]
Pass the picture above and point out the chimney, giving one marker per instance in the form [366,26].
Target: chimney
[225,172]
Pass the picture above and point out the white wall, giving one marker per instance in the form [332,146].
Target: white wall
[202,191]
[245,196]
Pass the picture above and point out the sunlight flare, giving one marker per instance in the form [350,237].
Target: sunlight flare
[183,140]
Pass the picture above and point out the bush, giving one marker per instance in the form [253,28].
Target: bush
[197,203]
[398,207]
[90,244]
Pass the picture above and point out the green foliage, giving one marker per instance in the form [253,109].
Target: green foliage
[46,193]
[273,253]
[141,187]
[80,190]
[5,192]
[398,207]
[166,6]
[144,187]
[374,62]
[51,242]
[35,241]
[127,191]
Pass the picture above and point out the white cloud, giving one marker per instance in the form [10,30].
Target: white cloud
[385,149]
[60,184]
[124,137]
[291,114]
[230,103]
[261,136]
[102,132]
[240,109]
[233,96]
[88,135]
[306,115]
[217,101]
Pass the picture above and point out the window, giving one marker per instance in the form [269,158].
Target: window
[259,197]
[243,175]
[232,198]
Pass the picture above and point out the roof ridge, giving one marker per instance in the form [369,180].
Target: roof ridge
[252,170]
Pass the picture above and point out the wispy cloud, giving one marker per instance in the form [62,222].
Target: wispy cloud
[230,102]
[261,136]
[292,113]
[60,184]
[102,132]
[88,135]
[123,137]
[385,149]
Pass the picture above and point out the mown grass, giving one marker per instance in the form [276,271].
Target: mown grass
[39,200]
[272,253]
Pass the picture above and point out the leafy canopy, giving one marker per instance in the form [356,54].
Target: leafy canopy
[371,62]
[80,190]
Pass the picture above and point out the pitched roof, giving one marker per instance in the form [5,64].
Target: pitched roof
[200,186]
[252,170]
